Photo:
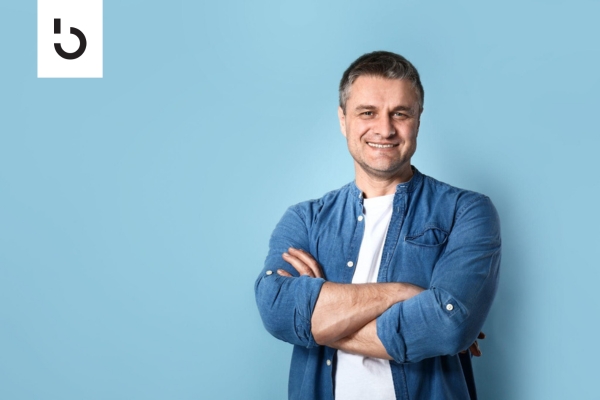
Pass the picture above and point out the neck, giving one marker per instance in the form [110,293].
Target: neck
[375,186]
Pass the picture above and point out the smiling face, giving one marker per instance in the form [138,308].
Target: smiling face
[381,124]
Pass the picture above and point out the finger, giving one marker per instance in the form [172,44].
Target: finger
[475,350]
[481,335]
[283,272]
[307,259]
[298,265]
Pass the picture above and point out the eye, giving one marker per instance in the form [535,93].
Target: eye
[367,115]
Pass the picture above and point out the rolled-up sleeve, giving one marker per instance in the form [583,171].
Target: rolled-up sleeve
[446,318]
[286,304]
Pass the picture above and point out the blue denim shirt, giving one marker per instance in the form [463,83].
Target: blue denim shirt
[441,238]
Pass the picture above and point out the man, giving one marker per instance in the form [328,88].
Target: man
[380,285]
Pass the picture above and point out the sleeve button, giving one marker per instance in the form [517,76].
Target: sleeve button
[449,307]
[269,272]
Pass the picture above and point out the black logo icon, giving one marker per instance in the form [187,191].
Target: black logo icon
[74,31]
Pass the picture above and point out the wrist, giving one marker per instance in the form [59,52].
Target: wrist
[405,291]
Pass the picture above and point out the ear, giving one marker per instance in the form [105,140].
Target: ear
[342,119]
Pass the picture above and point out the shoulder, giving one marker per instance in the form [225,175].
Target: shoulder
[309,210]
[463,197]
[459,200]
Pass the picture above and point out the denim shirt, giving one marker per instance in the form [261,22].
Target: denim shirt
[441,238]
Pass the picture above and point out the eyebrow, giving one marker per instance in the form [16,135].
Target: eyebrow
[361,107]
[364,107]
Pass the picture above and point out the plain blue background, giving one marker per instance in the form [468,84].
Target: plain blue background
[135,210]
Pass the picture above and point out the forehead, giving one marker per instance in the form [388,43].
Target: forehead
[381,91]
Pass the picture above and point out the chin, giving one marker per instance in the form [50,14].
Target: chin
[380,171]
[385,170]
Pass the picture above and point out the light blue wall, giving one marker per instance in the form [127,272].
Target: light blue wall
[135,210]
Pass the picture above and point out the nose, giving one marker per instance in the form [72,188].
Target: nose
[385,127]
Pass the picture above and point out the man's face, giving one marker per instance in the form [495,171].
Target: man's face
[381,124]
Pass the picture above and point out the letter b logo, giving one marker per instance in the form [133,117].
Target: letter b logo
[82,43]
[70,39]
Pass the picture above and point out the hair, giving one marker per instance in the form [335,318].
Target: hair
[382,64]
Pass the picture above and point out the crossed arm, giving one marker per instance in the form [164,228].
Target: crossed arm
[397,320]
[345,315]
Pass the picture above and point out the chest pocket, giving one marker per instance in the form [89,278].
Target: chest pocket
[419,254]
[430,237]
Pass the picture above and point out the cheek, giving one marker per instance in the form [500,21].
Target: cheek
[357,130]
[409,134]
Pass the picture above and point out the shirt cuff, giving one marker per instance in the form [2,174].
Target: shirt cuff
[307,292]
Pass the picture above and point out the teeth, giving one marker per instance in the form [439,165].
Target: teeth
[380,146]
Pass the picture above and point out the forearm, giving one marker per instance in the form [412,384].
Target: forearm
[364,342]
[343,309]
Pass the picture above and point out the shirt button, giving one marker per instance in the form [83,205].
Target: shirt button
[328,362]
[269,272]
[350,264]
[449,307]
[360,217]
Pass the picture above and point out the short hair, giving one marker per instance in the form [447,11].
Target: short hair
[383,64]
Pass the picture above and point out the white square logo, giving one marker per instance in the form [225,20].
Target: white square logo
[70,39]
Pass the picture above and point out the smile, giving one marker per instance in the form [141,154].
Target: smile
[381,146]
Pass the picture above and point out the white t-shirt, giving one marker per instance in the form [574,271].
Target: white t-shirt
[358,377]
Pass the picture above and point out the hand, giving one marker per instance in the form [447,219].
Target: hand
[474,348]
[302,262]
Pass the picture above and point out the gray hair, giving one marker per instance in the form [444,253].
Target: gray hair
[383,64]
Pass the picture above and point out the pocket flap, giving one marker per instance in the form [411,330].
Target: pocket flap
[431,236]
